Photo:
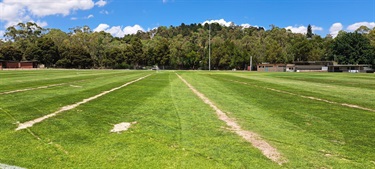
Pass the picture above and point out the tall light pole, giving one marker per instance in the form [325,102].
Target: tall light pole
[209,47]
[251,62]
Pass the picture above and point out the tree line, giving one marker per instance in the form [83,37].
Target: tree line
[183,47]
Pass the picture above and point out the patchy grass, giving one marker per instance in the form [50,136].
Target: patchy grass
[175,129]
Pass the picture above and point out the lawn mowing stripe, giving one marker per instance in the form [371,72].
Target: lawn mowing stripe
[267,150]
[308,97]
[72,106]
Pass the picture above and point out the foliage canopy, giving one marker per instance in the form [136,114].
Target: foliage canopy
[183,47]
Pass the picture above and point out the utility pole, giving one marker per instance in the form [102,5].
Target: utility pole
[251,62]
[209,48]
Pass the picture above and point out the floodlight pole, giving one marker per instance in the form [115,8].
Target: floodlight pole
[209,48]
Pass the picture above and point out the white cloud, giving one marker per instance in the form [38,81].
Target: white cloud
[220,21]
[101,27]
[73,18]
[335,29]
[246,25]
[117,31]
[133,29]
[316,28]
[15,11]
[42,8]
[355,26]
[104,12]
[10,11]
[303,29]
[41,23]
[88,17]
[300,29]
[101,3]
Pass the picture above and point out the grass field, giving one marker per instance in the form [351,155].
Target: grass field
[315,120]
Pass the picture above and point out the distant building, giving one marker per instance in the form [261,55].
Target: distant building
[290,68]
[17,64]
[312,66]
[351,68]
[267,67]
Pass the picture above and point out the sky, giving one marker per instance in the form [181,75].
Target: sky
[120,17]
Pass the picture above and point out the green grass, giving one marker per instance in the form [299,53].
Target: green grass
[175,129]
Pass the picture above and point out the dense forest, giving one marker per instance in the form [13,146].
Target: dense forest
[183,47]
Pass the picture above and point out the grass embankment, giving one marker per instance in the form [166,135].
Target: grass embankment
[175,129]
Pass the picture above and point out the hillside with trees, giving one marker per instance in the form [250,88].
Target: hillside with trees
[183,47]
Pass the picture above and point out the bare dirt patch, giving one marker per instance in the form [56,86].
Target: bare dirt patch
[72,106]
[267,150]
[118,128]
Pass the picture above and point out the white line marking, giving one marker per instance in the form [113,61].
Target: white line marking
[267,150]
[4,166]
[72,106]
[28,89]
[309,97]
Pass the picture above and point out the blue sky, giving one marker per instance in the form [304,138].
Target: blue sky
[120,17]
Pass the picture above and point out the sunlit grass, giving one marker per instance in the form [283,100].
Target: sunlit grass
[175,129]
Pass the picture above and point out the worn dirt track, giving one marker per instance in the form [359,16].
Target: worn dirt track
[267,150]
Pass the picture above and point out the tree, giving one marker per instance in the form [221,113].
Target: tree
[97,44]
[48,54]
[363,30]
[352,48]
[309,33]
[57,36]
[181,47]
[161,51]
[11,53]
[75,56]
[24,35]
[136,51]
[21,31]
